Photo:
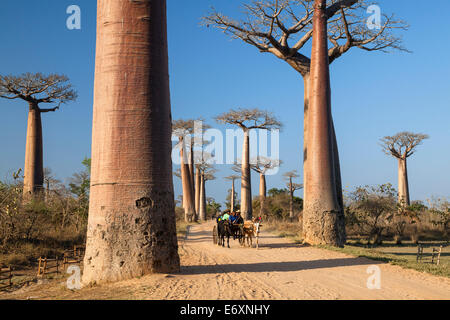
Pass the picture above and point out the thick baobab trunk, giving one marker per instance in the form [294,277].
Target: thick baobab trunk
[323,221]
[403,186]
[188,196]
[262,193]
[202,209]
[131,227]
[197,189]
[306,78]
[246,190]
[33,182]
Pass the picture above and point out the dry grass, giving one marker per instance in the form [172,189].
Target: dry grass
[291,230]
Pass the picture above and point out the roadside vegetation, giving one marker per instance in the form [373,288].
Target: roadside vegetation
[45,226]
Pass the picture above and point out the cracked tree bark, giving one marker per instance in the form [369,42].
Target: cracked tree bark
[131,227]
[323,217]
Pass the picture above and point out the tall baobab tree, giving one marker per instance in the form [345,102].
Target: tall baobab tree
[248,119]
[402,146]
[262,165]
[292,187]
[197,157]
[183,129]
[207,174]
[323,212]
[284,28]
[36,89]
[131,227]
[232,178]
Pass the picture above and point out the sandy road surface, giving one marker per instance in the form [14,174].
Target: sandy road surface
[278,270]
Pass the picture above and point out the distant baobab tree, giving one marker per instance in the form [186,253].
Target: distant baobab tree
[206,174]
[232,178]
[36,89]
[402,146]
[183,129]
[284,28]
[292,187]
[261,165]
[248,119]
[197,157]
[131,228]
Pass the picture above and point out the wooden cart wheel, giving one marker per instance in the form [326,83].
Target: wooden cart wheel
[215,235]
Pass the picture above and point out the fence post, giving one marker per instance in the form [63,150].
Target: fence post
[419,253]
[39,267]
[439,255]
[45,265]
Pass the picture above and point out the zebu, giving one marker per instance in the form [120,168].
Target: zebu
[251,229]
[224,230]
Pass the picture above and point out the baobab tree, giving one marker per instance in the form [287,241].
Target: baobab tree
[131,227]
[197,157]
[207,174]
[292,187]
[401,146]
[284,28]
[183,129]
[262,165]
[36,89]
[232,178]
[248,119]
[323,212]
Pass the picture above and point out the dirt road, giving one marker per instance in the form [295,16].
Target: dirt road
[278,270]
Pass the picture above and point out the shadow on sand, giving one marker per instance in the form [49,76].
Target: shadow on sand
[276,266]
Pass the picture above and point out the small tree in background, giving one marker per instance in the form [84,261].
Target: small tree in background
[262,165]
[402,146]
[292,187]
[232,194]
[36,89]
[374,208]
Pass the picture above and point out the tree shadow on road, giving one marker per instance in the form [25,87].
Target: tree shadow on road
[287,266]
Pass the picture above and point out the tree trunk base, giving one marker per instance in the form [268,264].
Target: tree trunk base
[324,227]
[139,239]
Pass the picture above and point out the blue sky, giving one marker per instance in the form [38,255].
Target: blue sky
[373,94]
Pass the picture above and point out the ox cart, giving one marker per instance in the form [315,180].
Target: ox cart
[245,230]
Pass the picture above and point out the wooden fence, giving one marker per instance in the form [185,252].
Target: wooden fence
[5,274]
[58,265]
[435,254]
